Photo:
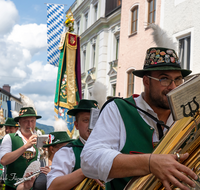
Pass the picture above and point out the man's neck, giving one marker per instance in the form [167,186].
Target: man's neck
[163,114]
[26,135]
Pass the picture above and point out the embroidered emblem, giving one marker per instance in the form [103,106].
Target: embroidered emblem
[72,40]
[157,52]
[169,51]
[153,51]
[162,53]
[152,55]
[160,60]
[29,155]
[172,59]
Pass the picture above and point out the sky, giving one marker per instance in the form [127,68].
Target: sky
[23,53]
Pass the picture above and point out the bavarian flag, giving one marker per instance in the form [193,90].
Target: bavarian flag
[68,86]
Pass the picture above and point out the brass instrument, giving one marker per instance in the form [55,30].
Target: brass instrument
[88,184]
[184,136]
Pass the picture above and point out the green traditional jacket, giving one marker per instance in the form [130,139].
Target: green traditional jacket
[16,169]
[77,151]
[138,137]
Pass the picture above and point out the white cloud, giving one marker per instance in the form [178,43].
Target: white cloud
[30,36]
[20,47]
[8,16]
[43,72]
[19,72]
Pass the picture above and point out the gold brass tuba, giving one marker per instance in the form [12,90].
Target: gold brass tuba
[88,184]
[184,136]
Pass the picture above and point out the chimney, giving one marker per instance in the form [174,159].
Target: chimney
[6,87]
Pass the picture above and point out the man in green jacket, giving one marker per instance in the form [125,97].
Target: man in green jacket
[124,137]
[66,171]
[18,149]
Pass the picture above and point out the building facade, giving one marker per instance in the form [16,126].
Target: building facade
[97,22]
[183,25]
[8,101]
[180,20]
[135,39]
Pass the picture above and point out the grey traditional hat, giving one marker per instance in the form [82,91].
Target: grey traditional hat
[161,59]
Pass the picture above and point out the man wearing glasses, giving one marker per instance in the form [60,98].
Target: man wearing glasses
[123,139]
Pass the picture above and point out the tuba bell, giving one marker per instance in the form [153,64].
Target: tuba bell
[88,184]
[184,136]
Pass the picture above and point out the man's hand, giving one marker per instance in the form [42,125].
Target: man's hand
[27,184]
[31,141]
[170,171]
[45,169]
[100,183]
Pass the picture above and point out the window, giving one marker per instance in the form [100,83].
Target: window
[93,54]
[130,83]
[83,62]
[117,48]
[151,11]
[134,19]
[184,52]
[113,89]
[86,21]
[78,28]
[95,12]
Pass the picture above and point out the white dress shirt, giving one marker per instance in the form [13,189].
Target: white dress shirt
[63,163]
[6,145]
[108,138]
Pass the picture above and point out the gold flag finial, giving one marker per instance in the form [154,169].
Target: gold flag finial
[69,21]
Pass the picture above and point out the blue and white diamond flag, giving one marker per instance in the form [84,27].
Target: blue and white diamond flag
[55,13]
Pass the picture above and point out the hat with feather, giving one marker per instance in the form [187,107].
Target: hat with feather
[28,109]
[163,57]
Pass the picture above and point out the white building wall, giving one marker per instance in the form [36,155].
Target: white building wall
[180,18]
[101,33]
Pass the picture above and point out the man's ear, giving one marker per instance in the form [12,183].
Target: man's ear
[146,81]
[76,125]
[51,149]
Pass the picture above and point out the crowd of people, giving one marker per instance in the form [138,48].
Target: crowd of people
[119,147]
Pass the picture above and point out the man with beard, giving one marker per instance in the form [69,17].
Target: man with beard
[124,137]
[18,149]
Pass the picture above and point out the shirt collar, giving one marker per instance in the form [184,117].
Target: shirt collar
[143,105]
[82,140]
